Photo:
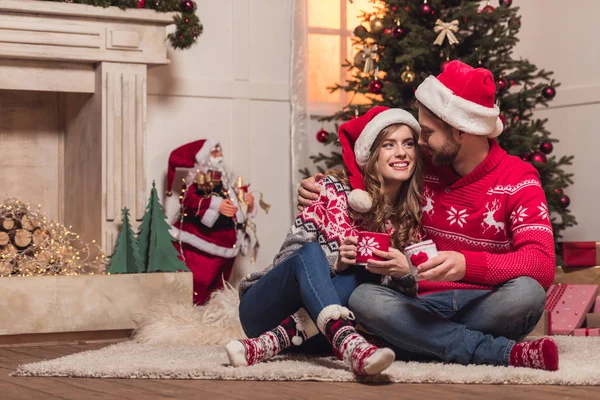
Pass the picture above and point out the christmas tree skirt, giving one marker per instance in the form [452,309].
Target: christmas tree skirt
[579,365]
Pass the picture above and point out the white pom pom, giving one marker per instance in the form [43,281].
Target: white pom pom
[360,201]
[297,340]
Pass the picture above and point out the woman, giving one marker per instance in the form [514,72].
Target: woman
[313,275]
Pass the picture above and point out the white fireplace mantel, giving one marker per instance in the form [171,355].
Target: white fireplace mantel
[96,59]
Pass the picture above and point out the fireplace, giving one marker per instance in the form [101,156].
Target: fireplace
[73,110]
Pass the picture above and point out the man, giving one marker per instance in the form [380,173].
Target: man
[211,227]
[487,214]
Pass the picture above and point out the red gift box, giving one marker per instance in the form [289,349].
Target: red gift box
[586,332]
[581,254]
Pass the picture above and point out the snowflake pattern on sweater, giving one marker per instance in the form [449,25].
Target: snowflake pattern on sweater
[496,216]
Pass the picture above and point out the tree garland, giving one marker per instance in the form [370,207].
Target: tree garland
[188,24]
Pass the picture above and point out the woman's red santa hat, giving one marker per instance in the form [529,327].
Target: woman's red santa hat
[357,137]
[463,97]
[187,156]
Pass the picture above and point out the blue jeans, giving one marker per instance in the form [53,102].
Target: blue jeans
[462,326]
[301,280]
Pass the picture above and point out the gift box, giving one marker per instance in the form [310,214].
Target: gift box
[586,332]
[581,254]
[593,320]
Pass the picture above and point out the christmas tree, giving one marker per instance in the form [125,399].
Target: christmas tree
[126,258]
[155,241]
[408,40]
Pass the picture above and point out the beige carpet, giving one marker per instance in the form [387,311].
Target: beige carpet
[579,365]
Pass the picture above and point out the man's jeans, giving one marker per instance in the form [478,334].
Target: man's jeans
[462,326]
[301,280]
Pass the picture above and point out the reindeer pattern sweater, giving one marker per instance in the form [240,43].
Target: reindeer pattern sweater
[496,216]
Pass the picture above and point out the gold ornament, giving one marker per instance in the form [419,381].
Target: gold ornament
[377,26]
[446,29]
[408,76]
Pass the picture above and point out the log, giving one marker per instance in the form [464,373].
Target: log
[21,238]
[39,238]
[10,249]
[4,239]
[7,224]
[43,257]
[27,224]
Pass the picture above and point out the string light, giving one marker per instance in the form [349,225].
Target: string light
[59,252]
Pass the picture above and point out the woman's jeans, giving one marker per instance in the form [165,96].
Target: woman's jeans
[301,280]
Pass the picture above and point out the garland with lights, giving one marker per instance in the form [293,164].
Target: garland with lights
[188,26]
[32,245]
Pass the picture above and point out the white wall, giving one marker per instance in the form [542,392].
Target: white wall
[562,36]
[232,86]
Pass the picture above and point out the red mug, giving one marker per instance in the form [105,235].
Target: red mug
[369,241]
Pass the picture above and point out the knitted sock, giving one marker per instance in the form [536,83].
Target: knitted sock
[349,346]
[293,330]
[540,354]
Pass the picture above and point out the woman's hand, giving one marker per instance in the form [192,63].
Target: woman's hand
[347,255]
[309,191]
[395,264]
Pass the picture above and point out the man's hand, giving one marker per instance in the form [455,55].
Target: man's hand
[309,191]
[395,264]
[447,266]
[347,254]
[227,208]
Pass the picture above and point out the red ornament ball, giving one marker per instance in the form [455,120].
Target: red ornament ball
[515,120]
[322,136]
[514,23]
[426,10]
[538,159]
[398,32]
[375,86]
[488,9]
[443,65]
[565,201]
[141,3]
[558,191]
[188,6]
[505,3]
[549,92]
[525,156]
[360,31]
[501,84]
[546,147]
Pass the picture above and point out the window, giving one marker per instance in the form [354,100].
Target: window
[330,27]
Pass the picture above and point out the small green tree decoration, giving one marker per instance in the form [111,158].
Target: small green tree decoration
[155,241]
[126,258]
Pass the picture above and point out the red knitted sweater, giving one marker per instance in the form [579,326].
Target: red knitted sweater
[496,216]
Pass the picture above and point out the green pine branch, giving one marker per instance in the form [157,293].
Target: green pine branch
[188,26]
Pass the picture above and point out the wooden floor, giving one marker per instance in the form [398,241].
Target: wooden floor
[75,388]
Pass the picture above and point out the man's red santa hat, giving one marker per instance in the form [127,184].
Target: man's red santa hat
[357,137]
[463,97]
[187,156]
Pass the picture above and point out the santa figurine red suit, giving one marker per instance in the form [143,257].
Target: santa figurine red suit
[211,227]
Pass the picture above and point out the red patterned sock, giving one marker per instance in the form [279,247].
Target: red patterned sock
[269,344]
[349,346]
[540,354]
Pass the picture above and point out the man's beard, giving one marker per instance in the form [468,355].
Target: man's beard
[447,154]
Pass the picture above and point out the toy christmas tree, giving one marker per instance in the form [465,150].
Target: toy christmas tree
[402,42]
[155,241]
[126,258]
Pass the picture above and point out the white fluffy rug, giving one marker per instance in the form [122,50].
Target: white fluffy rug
[183,342]
[579,365]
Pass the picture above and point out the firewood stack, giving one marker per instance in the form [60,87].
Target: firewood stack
[31,245]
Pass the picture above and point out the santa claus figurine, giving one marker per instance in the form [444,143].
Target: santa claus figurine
[211,227]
